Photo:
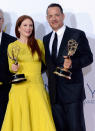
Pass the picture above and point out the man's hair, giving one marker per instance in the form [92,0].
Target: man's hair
[55,5]
[2,12]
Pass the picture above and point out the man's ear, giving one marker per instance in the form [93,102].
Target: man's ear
[63,16]
[47,17]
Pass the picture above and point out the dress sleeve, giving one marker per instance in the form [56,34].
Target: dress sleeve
[41,45]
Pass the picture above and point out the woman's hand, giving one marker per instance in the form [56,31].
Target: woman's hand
[15,67]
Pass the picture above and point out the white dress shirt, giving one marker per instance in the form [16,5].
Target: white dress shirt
[60,34]
[0,37]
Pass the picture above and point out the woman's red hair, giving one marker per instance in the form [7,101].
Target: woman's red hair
[32,42]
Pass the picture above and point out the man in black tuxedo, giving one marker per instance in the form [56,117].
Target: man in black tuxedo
[5,39]
[66,95]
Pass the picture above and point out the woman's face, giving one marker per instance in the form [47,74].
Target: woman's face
[26,28]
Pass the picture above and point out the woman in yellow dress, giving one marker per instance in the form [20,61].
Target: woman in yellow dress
[28,108]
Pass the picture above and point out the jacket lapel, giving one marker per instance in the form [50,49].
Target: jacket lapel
[63,46]
[2,45]
[3,39]
[47,45]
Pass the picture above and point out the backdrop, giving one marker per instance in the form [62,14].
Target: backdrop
[78,14]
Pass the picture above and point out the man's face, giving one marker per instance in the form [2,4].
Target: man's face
[1,21]
[55,18]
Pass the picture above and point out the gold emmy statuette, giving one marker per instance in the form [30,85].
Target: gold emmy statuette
[61,71]
[16,78]
[1,83]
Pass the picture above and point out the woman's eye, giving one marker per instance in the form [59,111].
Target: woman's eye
[25,25]
[31,25]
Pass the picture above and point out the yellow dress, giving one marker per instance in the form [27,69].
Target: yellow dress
[28,108]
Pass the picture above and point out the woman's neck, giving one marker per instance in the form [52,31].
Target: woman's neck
[23,40]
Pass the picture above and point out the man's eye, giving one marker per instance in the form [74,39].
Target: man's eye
[57,14]
[1,18]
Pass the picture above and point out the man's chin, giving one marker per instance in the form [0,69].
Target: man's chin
[54,27]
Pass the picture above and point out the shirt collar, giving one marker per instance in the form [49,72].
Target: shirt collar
[0,36]
[61,30]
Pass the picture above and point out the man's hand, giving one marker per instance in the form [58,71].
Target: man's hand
[67,62]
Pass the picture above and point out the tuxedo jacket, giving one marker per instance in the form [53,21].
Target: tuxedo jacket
[60,88]
[4,68]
